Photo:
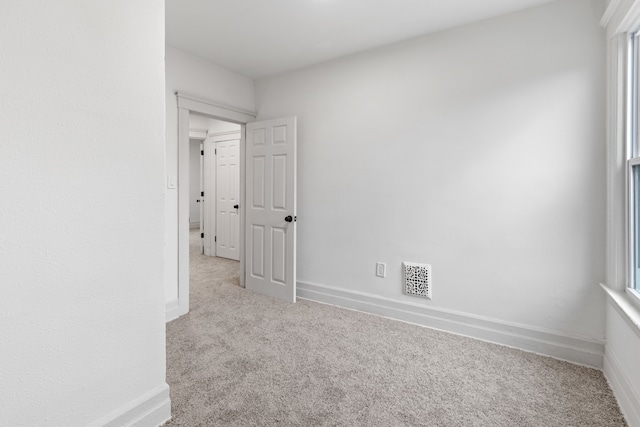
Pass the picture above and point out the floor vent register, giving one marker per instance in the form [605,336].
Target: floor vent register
[417,279]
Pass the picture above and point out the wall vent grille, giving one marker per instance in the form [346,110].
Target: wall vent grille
[417,279]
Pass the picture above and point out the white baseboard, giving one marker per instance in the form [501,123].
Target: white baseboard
[172,310]
[625,393]
[194,225]
[547,343]
[149,410]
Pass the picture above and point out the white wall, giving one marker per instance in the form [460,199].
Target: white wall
[478,150]
[198,122]
[202,122]
[82,212]
[219,126]
[194,181]
[195,76]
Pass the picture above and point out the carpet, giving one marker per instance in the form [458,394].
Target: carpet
[242,359]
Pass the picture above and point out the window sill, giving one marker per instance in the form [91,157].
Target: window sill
[623,305]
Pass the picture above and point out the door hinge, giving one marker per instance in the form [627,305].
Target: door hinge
[215,238]
[202,235]
[202,194]
[215,151]
[202,152]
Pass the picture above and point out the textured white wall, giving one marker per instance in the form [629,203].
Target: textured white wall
[218,126]
[199,122]
[81,209]
[478,150]
[195,76]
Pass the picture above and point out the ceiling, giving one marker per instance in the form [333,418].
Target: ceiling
[258,38]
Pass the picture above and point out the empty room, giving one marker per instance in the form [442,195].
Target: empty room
[320,212]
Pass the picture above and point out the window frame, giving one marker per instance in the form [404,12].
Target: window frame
[632,256]
[632,159]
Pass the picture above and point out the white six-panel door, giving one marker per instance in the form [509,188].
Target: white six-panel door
[201,197]
[270,234]
[208,205]
[228,199]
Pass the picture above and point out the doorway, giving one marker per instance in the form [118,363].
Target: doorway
[187,106]
[196,138]
[220,190]
[214,185]
[267,224]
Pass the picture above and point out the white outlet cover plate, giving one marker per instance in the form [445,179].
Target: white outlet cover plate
[381,269]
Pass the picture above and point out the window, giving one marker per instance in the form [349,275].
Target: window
[633,165]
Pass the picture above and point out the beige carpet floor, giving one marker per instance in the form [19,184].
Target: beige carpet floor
[241,359]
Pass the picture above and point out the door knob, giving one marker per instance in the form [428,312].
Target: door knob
[289,218]
[236,206]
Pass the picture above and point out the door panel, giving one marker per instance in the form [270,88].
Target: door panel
[227,199]
[257,200]
[270,198]
[279,201]
[257,257]
[279,255]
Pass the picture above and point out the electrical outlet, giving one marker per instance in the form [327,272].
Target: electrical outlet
[381,269]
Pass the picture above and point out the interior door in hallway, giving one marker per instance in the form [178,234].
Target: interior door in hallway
[270,233]
[201,199]
[208,197]
[228,199]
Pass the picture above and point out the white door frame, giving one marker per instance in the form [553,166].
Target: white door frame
[187,104]
[197,135]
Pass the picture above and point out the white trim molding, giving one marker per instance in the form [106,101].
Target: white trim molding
[548,343]
[621,16]
[219,111]
[231,132]
[627,310]
[172,310]
[625,394]
[616,242]
[609,12]
[149,410]
[183,210]
[200,134]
